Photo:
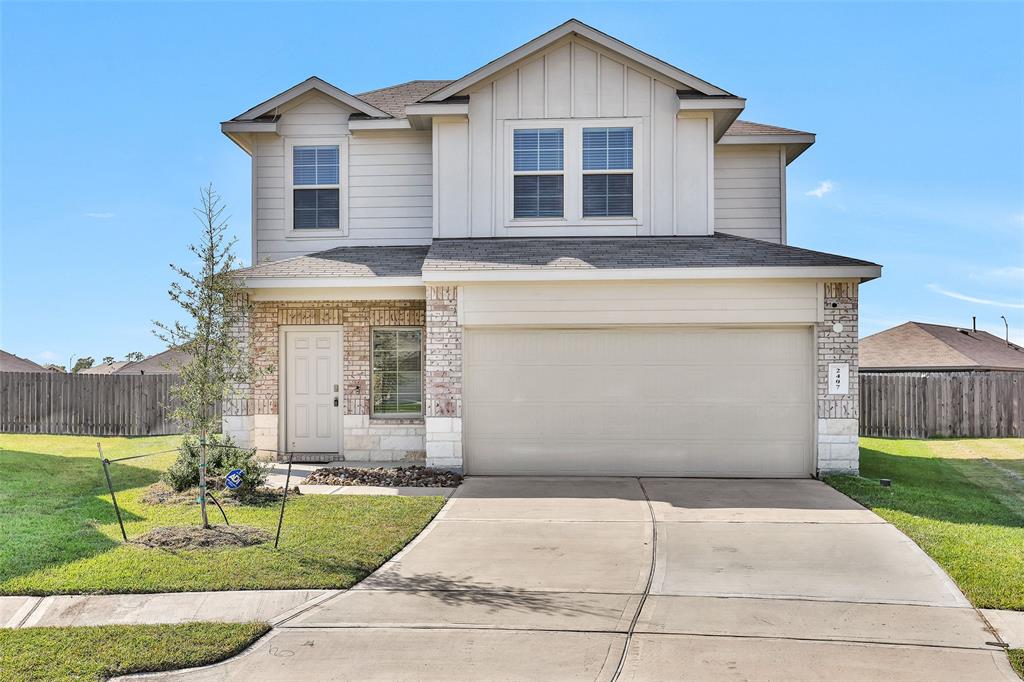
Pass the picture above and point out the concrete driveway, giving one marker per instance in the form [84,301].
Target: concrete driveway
[650,579]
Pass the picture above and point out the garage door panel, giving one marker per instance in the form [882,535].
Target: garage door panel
[648,384]
[631,401]
[621,457]
[642,422]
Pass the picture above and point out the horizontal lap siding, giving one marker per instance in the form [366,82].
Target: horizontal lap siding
[389,192]
[749,191]
[640,303]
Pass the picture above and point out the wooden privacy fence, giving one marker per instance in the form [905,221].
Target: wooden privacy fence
[87,404]
[942,404]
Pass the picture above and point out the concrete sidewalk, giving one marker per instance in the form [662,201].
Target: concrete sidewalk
[173,607]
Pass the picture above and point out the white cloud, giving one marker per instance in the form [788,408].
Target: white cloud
[1013,274]
[973,299]
[47,356]
[100,216]
[823,188]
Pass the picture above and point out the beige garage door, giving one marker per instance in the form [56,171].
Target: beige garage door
[638,401]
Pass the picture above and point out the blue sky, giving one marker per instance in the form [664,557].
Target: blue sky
[110,124]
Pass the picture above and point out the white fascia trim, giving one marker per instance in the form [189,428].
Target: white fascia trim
[767,139]
[379,124]
[581,29]
[710,104]
[312,83]
[248,127]
[853,272]
[438,109]
[329,282]
[417,293]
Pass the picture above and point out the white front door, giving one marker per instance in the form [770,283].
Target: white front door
[312,396]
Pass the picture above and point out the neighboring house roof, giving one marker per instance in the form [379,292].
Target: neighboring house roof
[622,253]
[166,362]
[346,261]
[393,99]
[920,346]
[103,368]
[10,362]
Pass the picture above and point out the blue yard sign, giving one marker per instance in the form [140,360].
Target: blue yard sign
[234,479]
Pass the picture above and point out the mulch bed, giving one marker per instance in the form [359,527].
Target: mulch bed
[197,537]
[402,477]
[161,493]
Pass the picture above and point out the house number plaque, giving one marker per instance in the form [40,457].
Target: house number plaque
[838,378]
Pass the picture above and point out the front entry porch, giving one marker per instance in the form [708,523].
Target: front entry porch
[316,400]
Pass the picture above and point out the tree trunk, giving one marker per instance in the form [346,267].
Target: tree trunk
[202,478]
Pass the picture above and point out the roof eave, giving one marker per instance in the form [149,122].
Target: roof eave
[863,273]
[329,282]
[795,144]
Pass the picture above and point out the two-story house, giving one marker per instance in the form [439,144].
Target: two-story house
[572,260]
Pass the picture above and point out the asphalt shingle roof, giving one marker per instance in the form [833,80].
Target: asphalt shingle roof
[750,128]
[393,99]
[9,362]
[545,253]
[347,261]
[916,345]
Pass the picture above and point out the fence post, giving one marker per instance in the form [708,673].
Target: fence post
[110,487]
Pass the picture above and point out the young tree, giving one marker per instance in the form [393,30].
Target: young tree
[134,356]
[212,300]
[82,363]
[108,360]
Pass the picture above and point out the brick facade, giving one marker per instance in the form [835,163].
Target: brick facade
[443,379]
[437,437]
[253,419]
[837,415]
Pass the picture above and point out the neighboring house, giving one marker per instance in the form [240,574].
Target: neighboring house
[572,260]
[166,362]
[915,346]
[12,363]
[104,368]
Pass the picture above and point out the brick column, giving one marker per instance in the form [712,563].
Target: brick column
[236,412]
[443,379]
[838,449]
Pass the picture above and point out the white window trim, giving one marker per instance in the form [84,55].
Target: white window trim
[423,374]
[572,170]
[290,143]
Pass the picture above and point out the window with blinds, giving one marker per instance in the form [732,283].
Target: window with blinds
[538,173]
[317,204]
[397,387]
[607,172]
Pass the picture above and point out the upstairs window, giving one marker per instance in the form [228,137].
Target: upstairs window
[607,172]
[538,173]
[316,194]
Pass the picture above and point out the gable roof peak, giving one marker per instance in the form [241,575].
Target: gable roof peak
[299,89]
[577,27]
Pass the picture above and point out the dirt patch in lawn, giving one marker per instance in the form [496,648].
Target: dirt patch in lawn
[161,493]
[413,477]
[197,537]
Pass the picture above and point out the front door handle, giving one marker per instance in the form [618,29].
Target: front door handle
[335,401]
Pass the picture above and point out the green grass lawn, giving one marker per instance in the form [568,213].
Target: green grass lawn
[962,501]
[59,535]
[96,653]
